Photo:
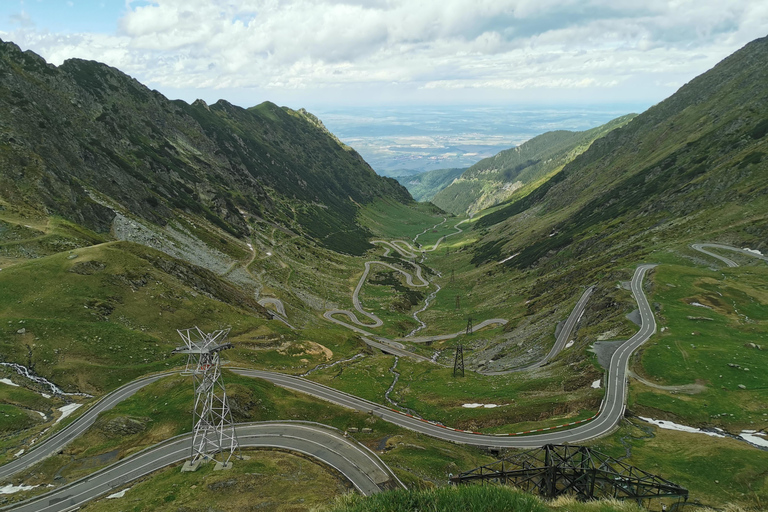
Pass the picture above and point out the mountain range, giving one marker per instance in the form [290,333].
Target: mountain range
[516,171]
[125,216]
[84,141]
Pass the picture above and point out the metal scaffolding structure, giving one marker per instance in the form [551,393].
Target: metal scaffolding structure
[587,474]
[214,430]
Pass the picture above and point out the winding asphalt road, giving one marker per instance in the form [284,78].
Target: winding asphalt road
[94,485]
[727,261]
[63,437]
[362,467]
[611,411]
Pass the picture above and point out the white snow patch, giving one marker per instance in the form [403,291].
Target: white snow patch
[754,251]
[507,258]
[569,344]
[490,406]
[67,410]
[118,494]
[10,488]
[700,305]
[45,395]
[668,425]
[18,452]
[596,384]
[475,406]
[42,414]
[753,437]
[9,382]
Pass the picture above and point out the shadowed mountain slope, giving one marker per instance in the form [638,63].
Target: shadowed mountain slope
[78,139]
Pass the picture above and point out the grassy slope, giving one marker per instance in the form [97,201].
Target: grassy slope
[515,172]
[652,182]
[490,498]
[421,387]
[529,297]
[425,185]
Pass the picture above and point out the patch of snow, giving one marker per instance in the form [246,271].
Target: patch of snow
[9,382]
[18,452]
[569,344]
[753,437]
[490,406]
[668,425]
[67,410]
[10,488]
[700,305]
[754,251]
[596,384]
[475,406]
[507,258]
[45,395]
[42,414]
[269,254]
[118,494]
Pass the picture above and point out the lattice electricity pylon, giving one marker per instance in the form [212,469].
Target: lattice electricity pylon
[469,326]
[554,470]
[458,362]
[214,430]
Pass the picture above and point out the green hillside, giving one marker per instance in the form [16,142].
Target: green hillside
[125,216]
[84,140]
[425,185]
[692,167]
[515,172]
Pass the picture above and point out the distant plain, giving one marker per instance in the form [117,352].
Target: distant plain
[405,140]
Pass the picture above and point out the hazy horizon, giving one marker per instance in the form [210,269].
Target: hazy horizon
[398,141]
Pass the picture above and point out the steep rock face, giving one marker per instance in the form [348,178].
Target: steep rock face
[77,138]
[515,171]
[692,167]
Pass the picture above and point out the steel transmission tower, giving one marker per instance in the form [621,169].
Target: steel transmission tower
[458,362]
[214,430]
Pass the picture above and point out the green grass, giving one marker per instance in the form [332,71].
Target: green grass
[92,331]
[14,418]
[269,480]
[432,391]
[391,219]
[698,344]
[488,498]
[716,471]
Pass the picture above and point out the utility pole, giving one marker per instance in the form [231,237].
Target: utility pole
[452,272]
[469,326]
[214,430]
[458,362]
[458,302]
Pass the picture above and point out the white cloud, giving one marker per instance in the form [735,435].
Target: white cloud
[430,44]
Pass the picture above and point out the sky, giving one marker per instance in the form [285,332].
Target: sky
[326,53]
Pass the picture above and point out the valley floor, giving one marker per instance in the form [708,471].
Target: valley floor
[418,297]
